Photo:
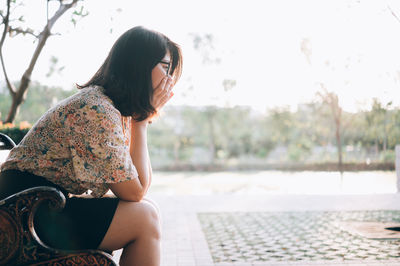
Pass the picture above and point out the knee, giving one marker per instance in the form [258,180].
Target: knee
[154,204]
[151,220]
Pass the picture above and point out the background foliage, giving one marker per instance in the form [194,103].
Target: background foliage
[210,134]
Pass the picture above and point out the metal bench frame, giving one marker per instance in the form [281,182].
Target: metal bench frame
[19,243]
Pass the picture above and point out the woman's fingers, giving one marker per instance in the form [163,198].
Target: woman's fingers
[165,82]
[162,83]
[159,89]
[165,99]
[162,93]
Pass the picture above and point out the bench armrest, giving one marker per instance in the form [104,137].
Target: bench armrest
[19,243]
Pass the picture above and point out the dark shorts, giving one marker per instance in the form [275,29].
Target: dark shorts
[82,224]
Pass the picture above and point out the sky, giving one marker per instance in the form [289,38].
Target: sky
[279,52]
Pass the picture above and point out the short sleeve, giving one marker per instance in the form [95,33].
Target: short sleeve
[98,145]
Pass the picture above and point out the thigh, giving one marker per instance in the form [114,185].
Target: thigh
[82,223]
[130,220]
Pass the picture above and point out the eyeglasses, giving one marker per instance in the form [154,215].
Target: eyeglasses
[168,65]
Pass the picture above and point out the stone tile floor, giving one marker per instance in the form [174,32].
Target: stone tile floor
[184,242]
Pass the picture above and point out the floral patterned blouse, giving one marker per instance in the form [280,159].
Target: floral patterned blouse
[81,144]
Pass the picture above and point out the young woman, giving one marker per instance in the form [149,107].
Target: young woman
[96,140]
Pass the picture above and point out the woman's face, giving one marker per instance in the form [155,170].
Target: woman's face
[161,70]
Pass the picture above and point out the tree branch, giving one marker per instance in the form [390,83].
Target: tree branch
[394,14]
[25,79]
[21,31]
[61,10]
[46,32]
[6,19]
[55,34]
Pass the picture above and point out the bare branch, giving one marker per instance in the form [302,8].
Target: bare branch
[25,79]
[10,86]
[55,34]
[21,19]
[394,14]
[61,10]
[16,6]
[21,31]
[46,32]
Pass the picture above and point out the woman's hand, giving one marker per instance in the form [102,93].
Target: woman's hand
[162,93]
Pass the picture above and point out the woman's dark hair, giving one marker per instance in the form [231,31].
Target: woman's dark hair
[125,75]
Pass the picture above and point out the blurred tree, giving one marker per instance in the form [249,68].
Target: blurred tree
[54,68]
[39,99]
[332,100]
[379,124]
[210,113]
[312,123]
[394,131]
[281,121]
[305,47]
[13,26]
[242,133]
[205,45]
[234,132]
[228,85]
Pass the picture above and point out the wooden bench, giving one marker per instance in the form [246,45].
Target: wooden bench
[19,243]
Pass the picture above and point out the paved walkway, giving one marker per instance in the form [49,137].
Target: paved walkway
[184,243]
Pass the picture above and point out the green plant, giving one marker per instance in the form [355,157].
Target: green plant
[388,156]
[16,133]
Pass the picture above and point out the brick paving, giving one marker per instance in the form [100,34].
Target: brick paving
[295,236]
[184,242]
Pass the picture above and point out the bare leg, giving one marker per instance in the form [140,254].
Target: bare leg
[136,228]
[155,206]
[133,253]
